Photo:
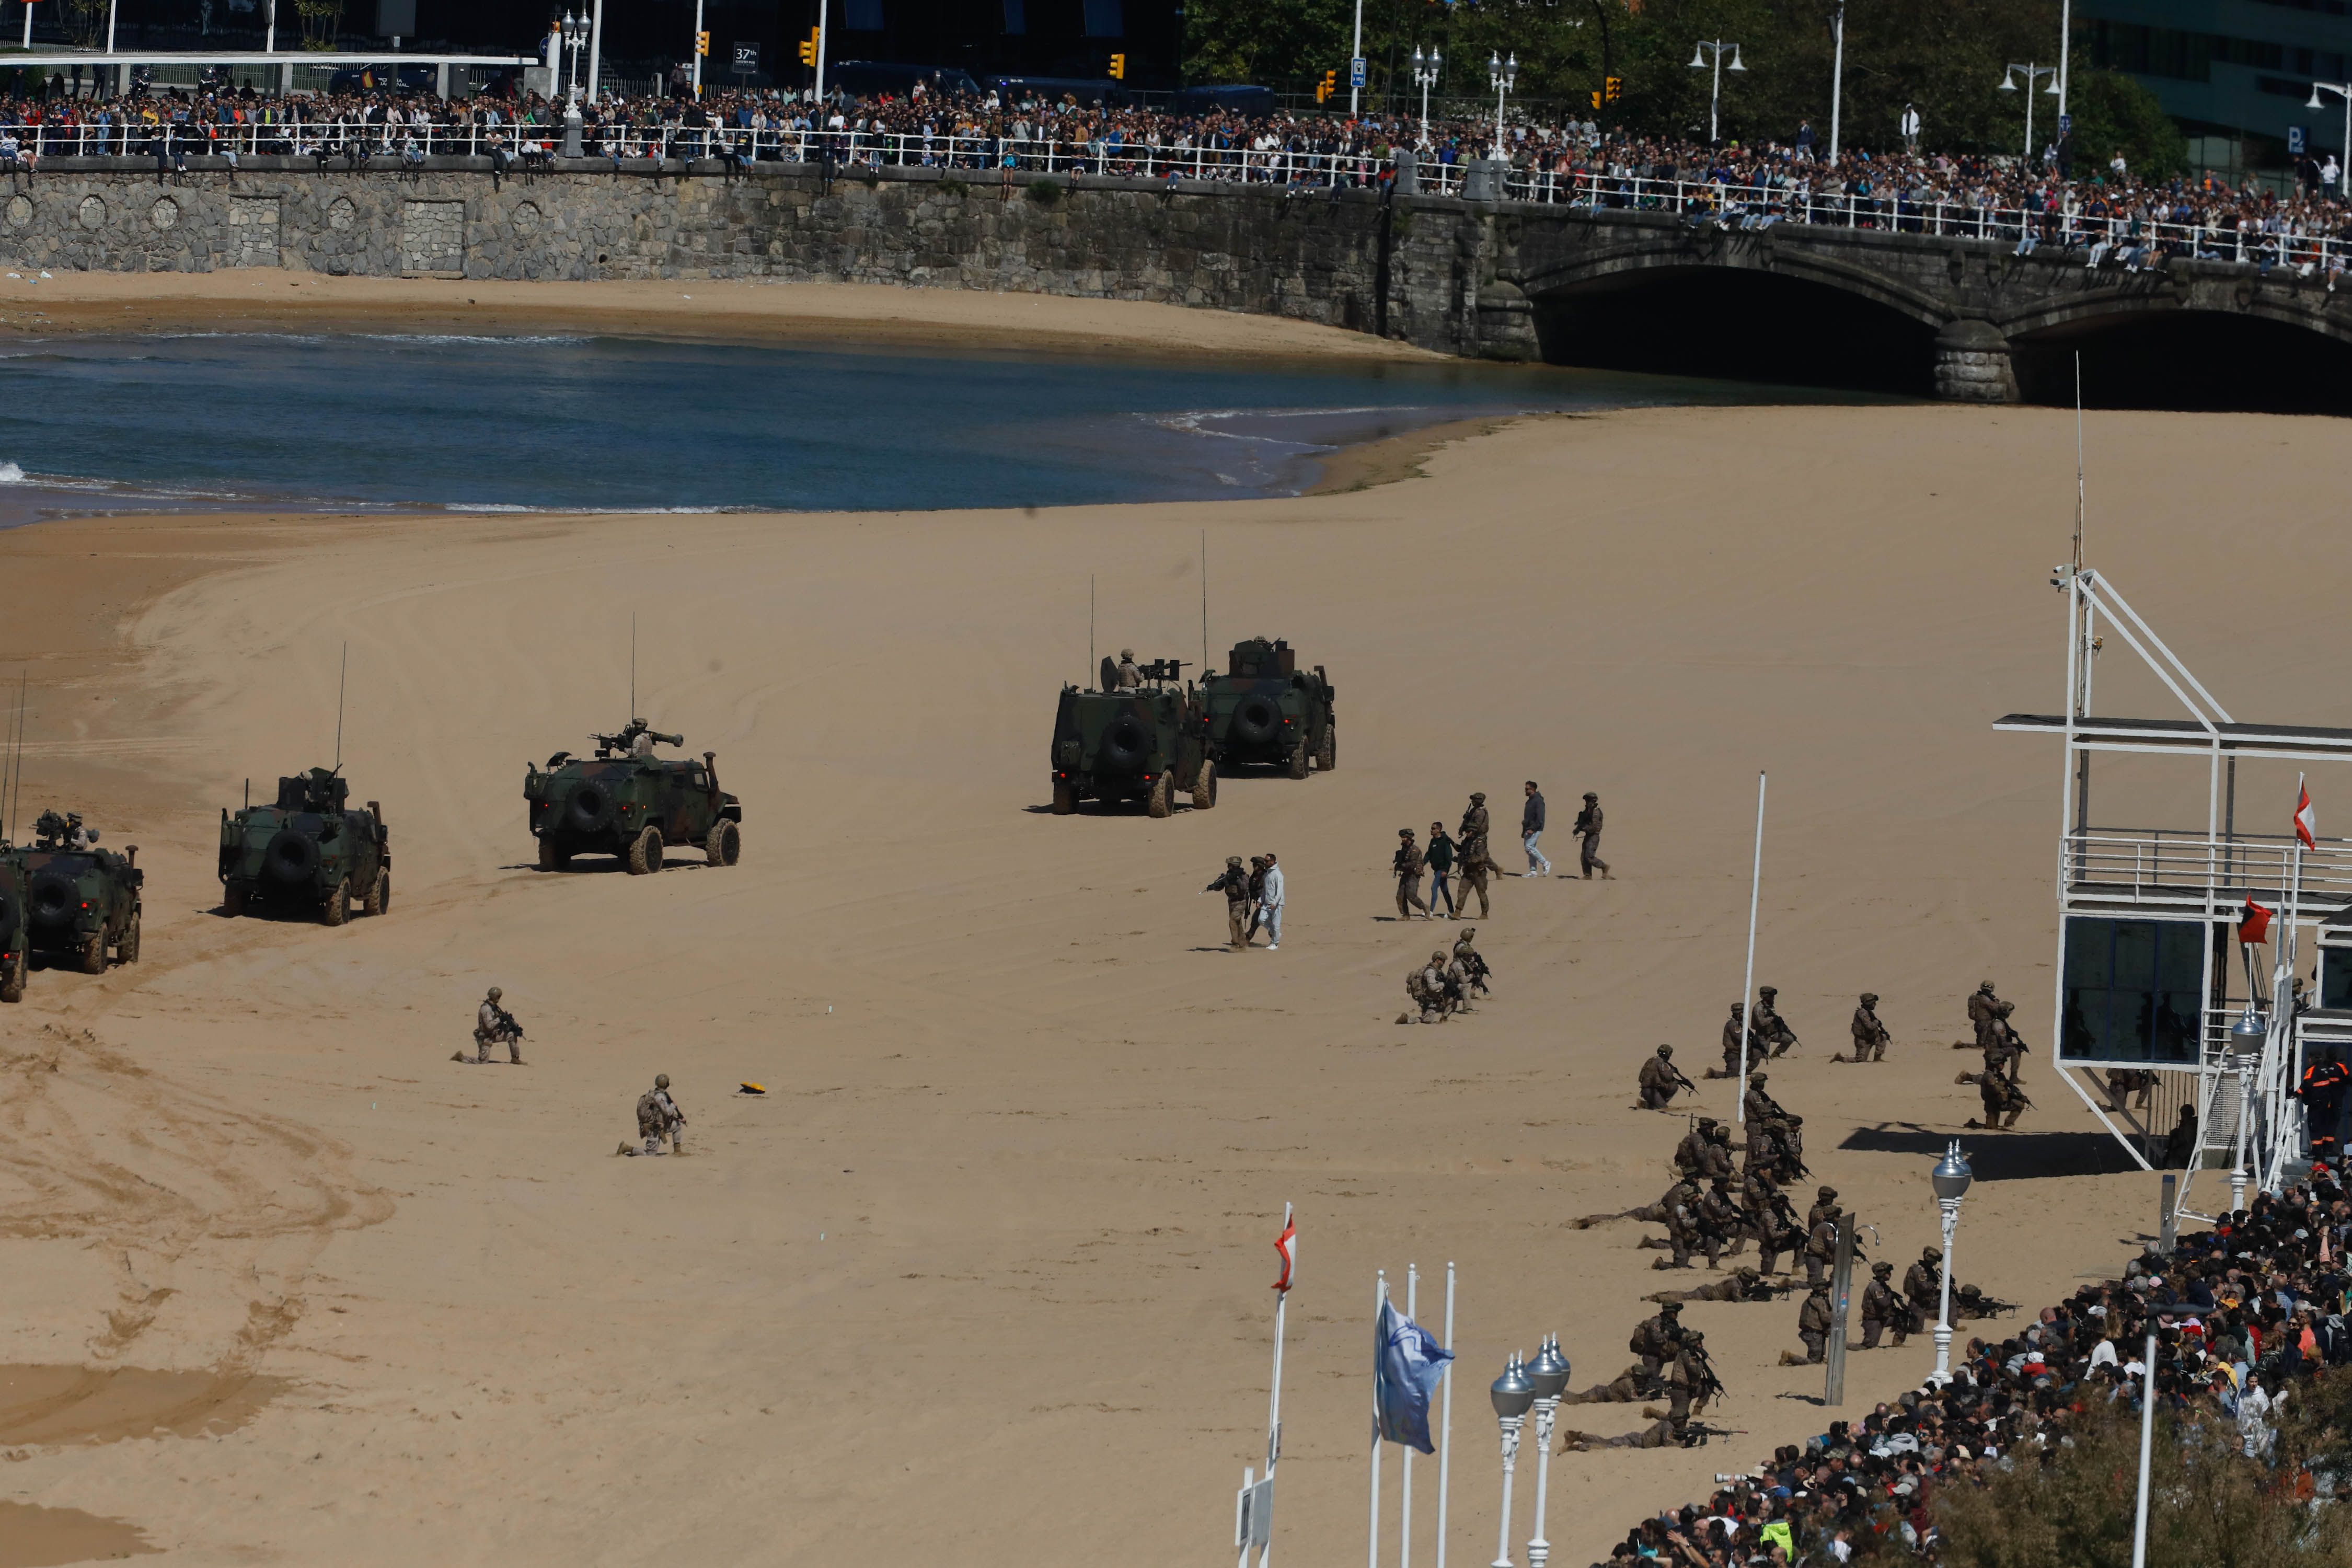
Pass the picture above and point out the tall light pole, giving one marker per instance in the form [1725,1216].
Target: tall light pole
[1425,77]
[1549,1374]
[2342,89]
[2246,1037]
[575,34]
[1356,61]
[2065,43]
[1503,75]
[1837,76]
[596,48]
[1950,1179]
[1715,47]
[2032,72]
[1512,1393]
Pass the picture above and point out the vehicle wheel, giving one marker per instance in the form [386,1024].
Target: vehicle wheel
[725,845]
[232,899]
[1296,765]
[339,904]
[126,946]
[1065,797]
[12,981]
[553,855]
[1162,797]
[1327,756]
[646,853]
[1204,787]
[379,893]
[93,953]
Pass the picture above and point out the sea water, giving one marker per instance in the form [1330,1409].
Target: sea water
[336,421]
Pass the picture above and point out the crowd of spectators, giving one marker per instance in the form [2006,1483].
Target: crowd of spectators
[2244,1315]
[2108,211]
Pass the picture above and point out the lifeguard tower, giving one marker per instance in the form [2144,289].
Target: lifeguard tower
[2158,1004]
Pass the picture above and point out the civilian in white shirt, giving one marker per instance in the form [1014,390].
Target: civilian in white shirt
[1270,907]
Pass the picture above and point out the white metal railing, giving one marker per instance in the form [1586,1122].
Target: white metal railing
[2159,867]
[2113,239]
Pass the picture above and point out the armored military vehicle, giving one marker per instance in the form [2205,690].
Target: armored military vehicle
[1136,742]
[627,802]
[15,931]
[308,853]
[80,899]
[1265,710]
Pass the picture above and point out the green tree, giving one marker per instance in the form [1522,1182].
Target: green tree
[2114,113]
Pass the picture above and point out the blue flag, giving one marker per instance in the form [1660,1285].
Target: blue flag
[1407,1363]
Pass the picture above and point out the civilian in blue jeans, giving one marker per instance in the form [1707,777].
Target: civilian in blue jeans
[1441,862]
[1531,827]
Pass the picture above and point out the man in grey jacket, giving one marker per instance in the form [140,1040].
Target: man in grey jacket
[1531,827]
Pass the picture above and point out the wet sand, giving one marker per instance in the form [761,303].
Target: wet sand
[984,1276]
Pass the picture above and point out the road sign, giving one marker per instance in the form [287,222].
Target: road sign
[2065,123]
[2294,139]
[1356,71]
[747,60]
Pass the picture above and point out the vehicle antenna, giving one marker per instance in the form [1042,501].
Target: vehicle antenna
[1090,625]
[341,677]
[1204,598]
[2078,459]
[12,777]
[633,664]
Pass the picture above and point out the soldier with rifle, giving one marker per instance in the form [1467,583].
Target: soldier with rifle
[1690,1384]
[1813,1320]
[1870,1036]
[1759,1106]
[1824,1204]
[1771,1219]
[1660,1079]
[1477,862]
[1466,953]
[1731,1039]
[1683,1234]
[1720,1220]
[658,1117]
[1883,1310]
[2001,1098]
[635,740]
[493,1025]
[1657,1339]
[1745,1283]
[1772,1028]
[1792,1131]
[1820,1246]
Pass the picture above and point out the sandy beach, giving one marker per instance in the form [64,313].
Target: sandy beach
[984,1278]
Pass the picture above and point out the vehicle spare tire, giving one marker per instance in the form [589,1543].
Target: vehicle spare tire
[53,899]
[589,809]
[1126,744]
[1255,719]
[291,856]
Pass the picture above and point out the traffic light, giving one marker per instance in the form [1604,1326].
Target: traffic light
[1118,68]
[1327,86]
[1613,87]
[701,43]
[1596,98]
[808,46]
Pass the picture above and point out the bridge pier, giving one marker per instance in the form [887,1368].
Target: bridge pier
[1972,364]
[1506,322]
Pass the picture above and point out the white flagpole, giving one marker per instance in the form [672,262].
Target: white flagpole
[1379,1299]
[1274,1411]
[1445,1429]
[1748,986]
[1404,1520]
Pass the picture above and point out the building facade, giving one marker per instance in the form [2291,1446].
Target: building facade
[2236,74]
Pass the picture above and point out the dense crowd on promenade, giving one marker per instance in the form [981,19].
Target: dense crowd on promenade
[2244,1315]
[2126,221]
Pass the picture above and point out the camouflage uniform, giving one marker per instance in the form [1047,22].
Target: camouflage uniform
[1771,1027]
[1476,863]
[658,1117]
[1234,884]
[1821,1247]
[1813,1320]
[1870,1037]
[490,1027]
[1657,1081]
[1882,1311]
[1408,866]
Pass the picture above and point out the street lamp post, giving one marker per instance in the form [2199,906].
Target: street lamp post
[1837,76]
[1950,1179]
[1713,47]
[1512,1393]
[2246,1037]
[1425,77]
[2032,71]
[575,33]
[1549,1374]
[1503,75]
[2342,89]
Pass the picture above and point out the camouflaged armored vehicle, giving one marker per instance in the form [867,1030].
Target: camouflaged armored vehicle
[15,933]
[627,802]
[1137,742]
[308,854]
[1264,710]
[80,899]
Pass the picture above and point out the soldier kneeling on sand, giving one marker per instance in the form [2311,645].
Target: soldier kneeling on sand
[658,1117]
[1814,1319]
[493,1025]
[1426,986]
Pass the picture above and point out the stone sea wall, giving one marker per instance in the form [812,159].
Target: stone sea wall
[1412,268]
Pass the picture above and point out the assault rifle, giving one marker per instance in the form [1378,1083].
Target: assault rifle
[507,1025]
[1709,1385]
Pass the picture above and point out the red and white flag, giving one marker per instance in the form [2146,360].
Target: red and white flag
[2255,928]
[1287,1244]
[2306,823]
